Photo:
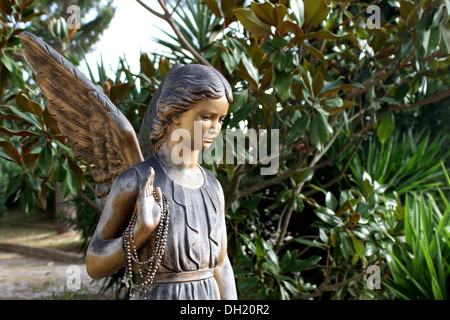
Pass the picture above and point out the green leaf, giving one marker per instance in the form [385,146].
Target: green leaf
[445,38]
[358,245]
[330,201]
[325,34]
[315,11]
[241,114]
[300,265]
[27,199]
[251,22]
[282,83]
[26,116]
[431,38]
[249,72]
[343,244]
[298,11]
[312,243]
[70,182]
[298,128]
[11,151]
[13,185]
[316,53]
[334,102]
[46,159]
[401,91]
[264,11]
[386,127]
[21,133]
[284,195]
[328,216]
[319,130]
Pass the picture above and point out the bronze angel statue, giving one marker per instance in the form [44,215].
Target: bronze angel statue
[162,220]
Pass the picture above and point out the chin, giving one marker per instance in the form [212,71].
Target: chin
[206,145]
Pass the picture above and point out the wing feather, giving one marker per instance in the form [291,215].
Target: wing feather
[98,131]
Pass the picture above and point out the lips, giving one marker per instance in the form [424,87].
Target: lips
[208,139]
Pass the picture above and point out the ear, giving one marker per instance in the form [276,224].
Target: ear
[176,119]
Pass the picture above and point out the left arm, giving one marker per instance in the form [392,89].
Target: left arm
[223,272]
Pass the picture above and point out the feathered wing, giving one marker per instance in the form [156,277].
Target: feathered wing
[98,131]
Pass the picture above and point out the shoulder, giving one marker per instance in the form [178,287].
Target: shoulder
[129,178]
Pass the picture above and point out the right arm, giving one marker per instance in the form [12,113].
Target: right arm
[105,254]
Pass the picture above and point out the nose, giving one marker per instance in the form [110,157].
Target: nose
[216,126]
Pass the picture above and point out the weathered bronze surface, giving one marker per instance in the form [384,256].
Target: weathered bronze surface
[195,264]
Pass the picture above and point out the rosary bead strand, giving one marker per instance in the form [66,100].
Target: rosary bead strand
[131,255]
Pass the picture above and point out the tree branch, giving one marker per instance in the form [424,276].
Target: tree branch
[167,16]
[432,99]
[353,94]
[332,287]
[89,202]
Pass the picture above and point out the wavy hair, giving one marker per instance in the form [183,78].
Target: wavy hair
[182,88]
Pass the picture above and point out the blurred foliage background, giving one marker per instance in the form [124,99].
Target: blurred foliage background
[359,91]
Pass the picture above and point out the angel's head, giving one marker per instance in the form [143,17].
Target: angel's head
[191,95]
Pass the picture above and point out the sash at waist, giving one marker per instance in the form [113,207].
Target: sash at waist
[185,276]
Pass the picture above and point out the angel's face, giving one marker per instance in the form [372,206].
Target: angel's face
[206,117]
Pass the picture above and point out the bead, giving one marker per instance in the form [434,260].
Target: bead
[154,261]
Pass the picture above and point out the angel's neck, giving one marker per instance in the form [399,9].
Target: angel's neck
[176,158]
[186,174]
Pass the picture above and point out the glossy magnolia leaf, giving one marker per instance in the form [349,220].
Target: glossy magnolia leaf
[78,173]
[70,182]
[11,151]
[408,11]
[283,22]
[25,116]
[298,11]
[315,11]
[265,11]
[15,73]
[46,159]
[445,38]
[21,133]
[330,201]
[282,83]
[251,22]
[430,40]
[27,199]
[13,185]
[329,217]
[358,246]
[241,114]
[316,53]
[28,105]
[248,71]
[319,130]
[298,128]
[325,34]
[214,6]
[386,127]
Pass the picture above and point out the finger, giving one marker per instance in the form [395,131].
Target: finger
[150,176]
[149,182]
[159,196]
